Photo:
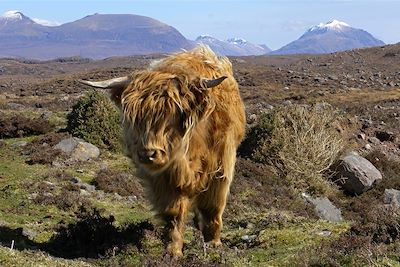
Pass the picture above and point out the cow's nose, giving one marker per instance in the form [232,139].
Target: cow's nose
[147,155]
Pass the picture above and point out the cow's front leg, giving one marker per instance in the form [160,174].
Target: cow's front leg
[211,205]
[175,217]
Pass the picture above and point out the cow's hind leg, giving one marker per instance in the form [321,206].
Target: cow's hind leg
[211,205]
[175,217]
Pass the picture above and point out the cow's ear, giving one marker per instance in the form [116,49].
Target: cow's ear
[117,86]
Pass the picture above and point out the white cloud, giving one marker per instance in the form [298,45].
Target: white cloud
[46,22]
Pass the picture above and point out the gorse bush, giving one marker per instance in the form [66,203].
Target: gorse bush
[95,119]
[300,142]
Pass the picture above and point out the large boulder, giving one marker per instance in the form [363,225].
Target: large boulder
[356,174]
[78,149]
[324,208]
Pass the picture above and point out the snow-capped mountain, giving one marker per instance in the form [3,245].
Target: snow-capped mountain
[329,37]
[94,36]
[233,46]
[11,15]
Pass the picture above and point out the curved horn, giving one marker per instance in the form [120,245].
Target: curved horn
[213,82]
[111,83]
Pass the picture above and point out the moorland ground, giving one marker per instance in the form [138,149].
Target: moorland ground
[94,213]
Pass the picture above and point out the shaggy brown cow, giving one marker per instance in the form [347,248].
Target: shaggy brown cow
[183,120]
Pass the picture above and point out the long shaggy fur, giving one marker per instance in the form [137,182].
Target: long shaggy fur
[197,130]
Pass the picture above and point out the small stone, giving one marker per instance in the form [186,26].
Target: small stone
[361,136]
[245,238]
[19,144]
[88,187]
[29,233]
[374,140]
[392,197]
[252,118]
[368,146]
[131,199]
[325,233]
[117,197]
[76,180]
[287,103]
[324,208]
[84,193]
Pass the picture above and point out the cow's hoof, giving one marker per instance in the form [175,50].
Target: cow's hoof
[174,251]
[215,243]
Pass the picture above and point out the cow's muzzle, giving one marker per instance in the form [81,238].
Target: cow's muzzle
[151,156]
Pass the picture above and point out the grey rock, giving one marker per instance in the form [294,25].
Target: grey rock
[76,180]
[324,208]
[361,136]
[248,238]
[46,115]
[117,197]
[15,105]
[29,233]
[392,197]
[252,118]
[356,174]
[374,140]
[366,123]
[287,103]
[88,187]
[245,237]
[325,233]
[131,199]
[78,149]
[19,144]
[84,193]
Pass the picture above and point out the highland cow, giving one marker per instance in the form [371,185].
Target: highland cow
[183,120]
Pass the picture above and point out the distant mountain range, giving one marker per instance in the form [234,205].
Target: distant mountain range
[233,46]
[104,35]
[331,37]
[95,36]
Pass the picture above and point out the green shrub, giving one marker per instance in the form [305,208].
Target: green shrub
[300,142]
[95,119]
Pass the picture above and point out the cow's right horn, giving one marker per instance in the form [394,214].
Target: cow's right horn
[213,82]
[111,83]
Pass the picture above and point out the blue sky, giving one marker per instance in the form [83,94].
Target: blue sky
[274,23]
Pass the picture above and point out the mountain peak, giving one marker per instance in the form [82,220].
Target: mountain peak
[237,41]
[204,36]
[12,15]
[232,46]
[335,25]
[333,36]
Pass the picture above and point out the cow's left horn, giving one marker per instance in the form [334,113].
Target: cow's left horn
[111,83]
[213,82]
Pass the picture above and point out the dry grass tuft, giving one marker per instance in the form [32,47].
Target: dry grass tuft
[301,143]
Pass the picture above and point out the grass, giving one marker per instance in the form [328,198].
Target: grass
[32,258]
[266,223]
